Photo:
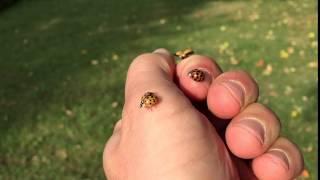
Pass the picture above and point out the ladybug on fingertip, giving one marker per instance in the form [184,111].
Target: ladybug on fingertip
[197,75]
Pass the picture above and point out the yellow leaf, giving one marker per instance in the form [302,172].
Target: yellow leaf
[223,47]
[313,64]
[223,28]
[301,53]
[163,21]
[268,70]
[314,44]
[311,35]
[304,98]
[94,62]
[234,61]
[115,57]
[294,113]
[284,54]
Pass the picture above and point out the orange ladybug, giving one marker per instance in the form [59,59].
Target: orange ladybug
[197,75]
[148,100]
[184,53]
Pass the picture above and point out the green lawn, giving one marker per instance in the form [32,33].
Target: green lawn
[63,66]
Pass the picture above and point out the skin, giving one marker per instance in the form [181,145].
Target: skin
[206,130]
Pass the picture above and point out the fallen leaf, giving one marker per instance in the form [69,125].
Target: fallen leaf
[284,54]
[260,63]
[94,62]
[223,47]
[163,21]
[286,70]
[298,108]
[223,28]
[314,44]
[254,16]
[288,90]
[293,43]
[234,61]
[61,154]
[115,57]
[292,69]
[311,35]
[35,160]
[309,148]
[290,50]
[304,98]
[294,113]
[301,53]
[313,64]
[270,35]
[268,70]
[69,112]
[114,104]
[271,86]
[273,94]
[308,129]
[305,173]
[285,21]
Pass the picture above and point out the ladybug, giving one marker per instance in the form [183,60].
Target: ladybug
[197,75]
[148,100]
[184,53]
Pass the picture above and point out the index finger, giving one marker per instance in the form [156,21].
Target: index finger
[153,72]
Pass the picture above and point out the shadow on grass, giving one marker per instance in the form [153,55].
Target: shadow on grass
[5,4]
[45,60]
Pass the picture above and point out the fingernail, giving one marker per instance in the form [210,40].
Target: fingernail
[196,75]
[281,156]
[162,51]
[236,91]
[253,127]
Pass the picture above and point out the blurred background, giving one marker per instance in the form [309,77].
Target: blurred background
[63,65]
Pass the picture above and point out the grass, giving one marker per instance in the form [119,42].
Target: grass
[63,66]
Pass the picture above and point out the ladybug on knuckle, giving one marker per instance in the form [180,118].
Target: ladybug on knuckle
[148,100]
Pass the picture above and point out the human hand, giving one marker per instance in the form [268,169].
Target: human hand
[212,129]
